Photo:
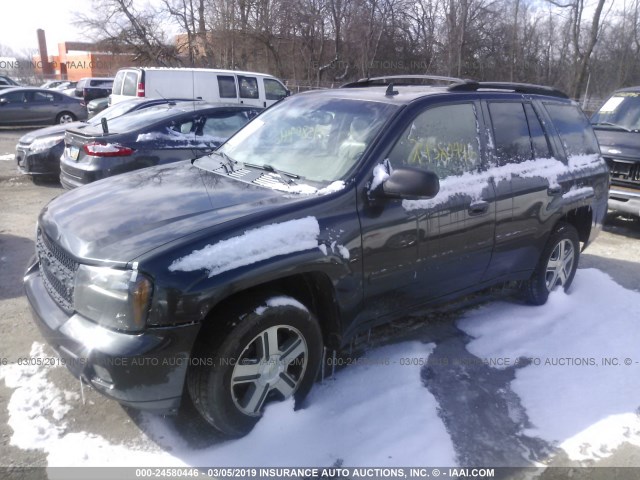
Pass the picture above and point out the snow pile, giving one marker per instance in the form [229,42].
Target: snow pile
[580,390]
[37,407]
[253,246]
[374,413]
[472,184]
[8,156]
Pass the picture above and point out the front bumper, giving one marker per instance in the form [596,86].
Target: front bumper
[145,371]
[44,162]
[625,200]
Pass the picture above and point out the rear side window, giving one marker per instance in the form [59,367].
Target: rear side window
[4,82]
[441,139]
[130,84]
[539,140]
[219,127]
[227,86]
[248,87]
[274,90]
[117,83]
[42,97]
[574,129]
[511,132]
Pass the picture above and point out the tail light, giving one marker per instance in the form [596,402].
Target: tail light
[140,92]
[107,150]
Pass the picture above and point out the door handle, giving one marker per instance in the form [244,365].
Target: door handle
[478,208]
[554,191]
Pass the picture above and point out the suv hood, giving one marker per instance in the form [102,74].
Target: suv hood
[618,144]
[120,218]
[47,131]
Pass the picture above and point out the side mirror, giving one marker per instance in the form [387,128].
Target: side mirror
[288,94]
[411,183]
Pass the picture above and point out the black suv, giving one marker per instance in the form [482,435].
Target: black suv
[329,213]
[617,126]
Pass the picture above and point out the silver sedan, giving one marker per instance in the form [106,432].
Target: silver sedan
[38,106]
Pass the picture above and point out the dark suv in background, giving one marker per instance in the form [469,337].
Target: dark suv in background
[331,212]
[617,126]
[91,88]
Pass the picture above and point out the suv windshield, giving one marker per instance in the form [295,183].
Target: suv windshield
[622,110]
[315,137]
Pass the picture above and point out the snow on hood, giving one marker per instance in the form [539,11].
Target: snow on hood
[253,246]
[472,184]
[377,413]
[572,396]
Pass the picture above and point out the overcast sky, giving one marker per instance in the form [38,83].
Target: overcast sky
[21,18]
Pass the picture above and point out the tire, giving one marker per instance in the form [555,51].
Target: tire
[233,375]
[65,117]
[557,265]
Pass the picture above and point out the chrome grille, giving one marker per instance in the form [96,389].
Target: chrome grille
[58,271]
[624,172]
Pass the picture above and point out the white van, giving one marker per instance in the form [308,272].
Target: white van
[211,85]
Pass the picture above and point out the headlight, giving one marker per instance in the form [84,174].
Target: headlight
[117,299]
[45,143]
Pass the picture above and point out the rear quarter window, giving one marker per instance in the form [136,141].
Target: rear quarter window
[574,129]
[130,84]
[117,83]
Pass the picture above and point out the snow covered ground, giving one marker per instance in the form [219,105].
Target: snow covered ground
[523,383]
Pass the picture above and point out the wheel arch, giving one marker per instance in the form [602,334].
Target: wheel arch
[313,289]
[581,219]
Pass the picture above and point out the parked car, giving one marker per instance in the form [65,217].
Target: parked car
[91,88]
[224,277]
[38,152]
[154,136]
[617,126]
[38,106]
[55,84]
[6,82]
[66,86]
[211,85]
[97,105]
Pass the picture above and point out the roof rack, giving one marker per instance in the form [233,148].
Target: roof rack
[527,88]
[399,80]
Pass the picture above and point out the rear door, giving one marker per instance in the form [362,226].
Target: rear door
[42,107]
[529,179]
[167,142]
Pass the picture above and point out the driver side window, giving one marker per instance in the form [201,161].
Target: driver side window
[441,139]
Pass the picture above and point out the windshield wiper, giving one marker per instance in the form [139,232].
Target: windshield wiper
[612,125]
[270,168]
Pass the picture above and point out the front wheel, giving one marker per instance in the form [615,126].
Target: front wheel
[556,267]
[273,353]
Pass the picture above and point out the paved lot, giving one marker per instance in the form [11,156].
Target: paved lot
[616,252]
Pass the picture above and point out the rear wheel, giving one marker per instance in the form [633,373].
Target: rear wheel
[556,267]
[65,117]
[272,354]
